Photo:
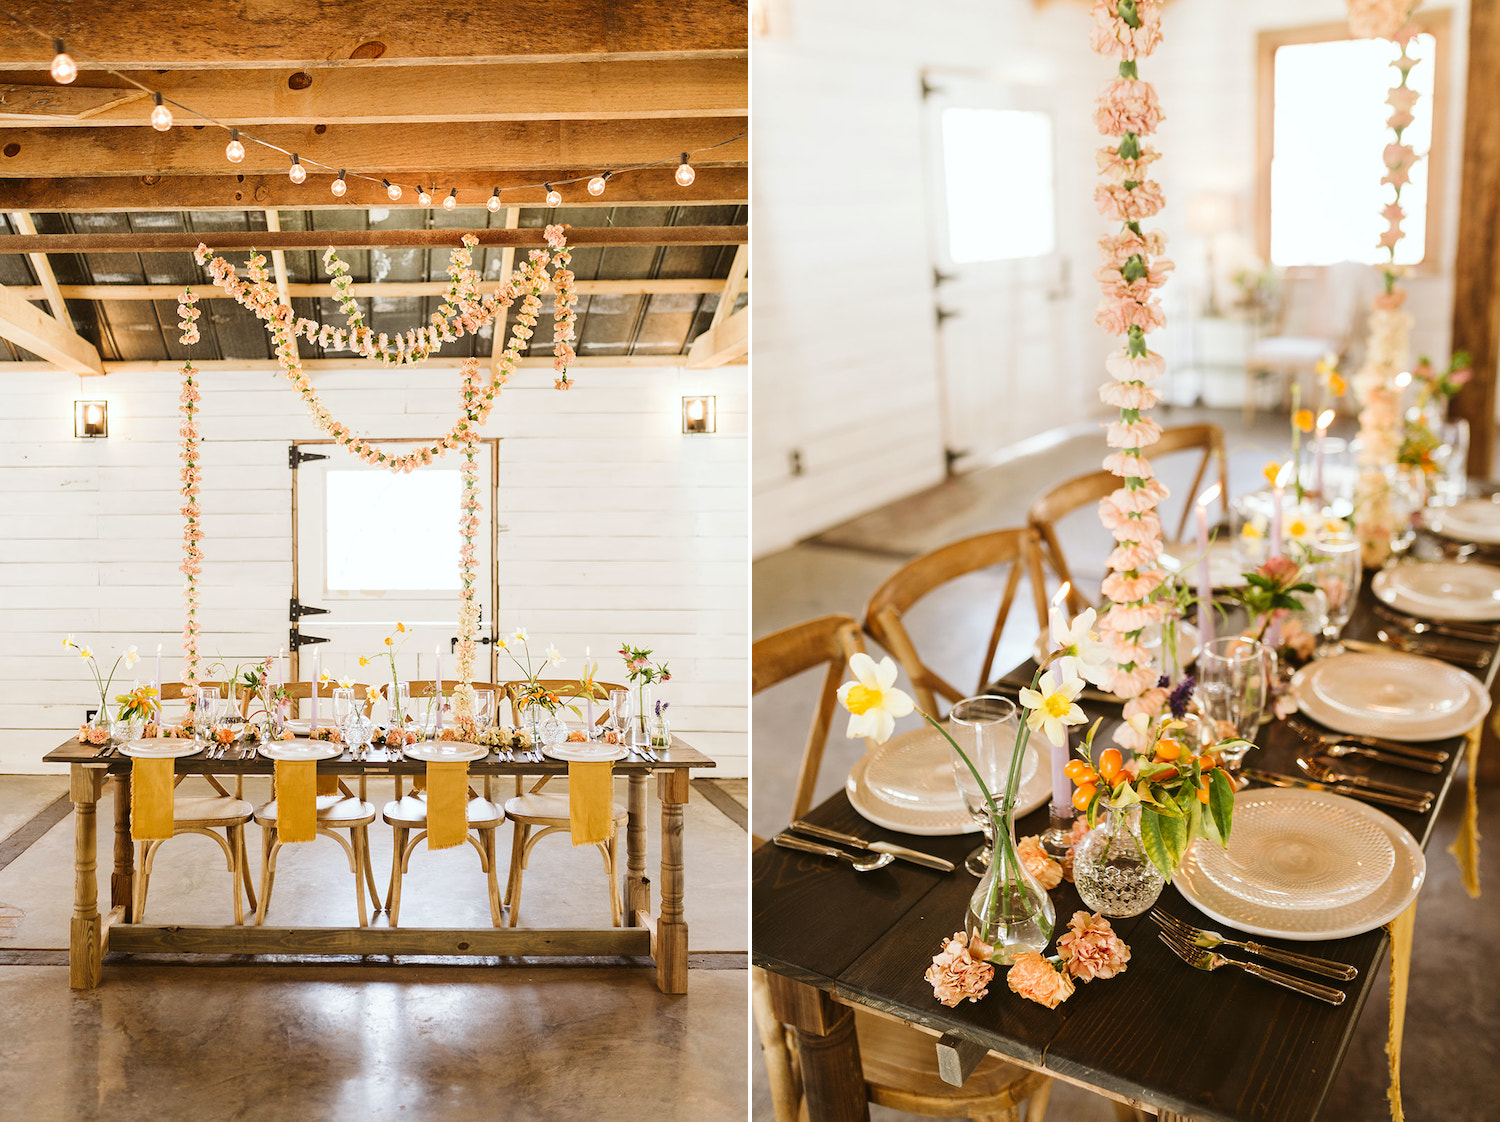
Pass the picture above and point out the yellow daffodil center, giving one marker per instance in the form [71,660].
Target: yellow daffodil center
[861,699]
[1056,705]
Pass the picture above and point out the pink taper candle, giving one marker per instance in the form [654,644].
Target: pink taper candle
[1205,577]
[1325,419]
[158,669]
[1278,492]
[589,698]
[313,720]
[437,686]
[1062,787]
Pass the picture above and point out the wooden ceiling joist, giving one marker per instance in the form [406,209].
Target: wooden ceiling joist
[650,187]
[593,91]
[294,33]
[725,342]
[30,327]
[397,151]
[442,362]
[364,239]
[383,290]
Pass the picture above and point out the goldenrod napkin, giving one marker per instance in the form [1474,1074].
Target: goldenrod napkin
[1465,847]
[1400,930]
[151,799]
[328,785]
[447,803]
[296,800]
[590,799]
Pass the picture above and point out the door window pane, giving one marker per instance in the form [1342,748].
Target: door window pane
[392,532]
[997,174]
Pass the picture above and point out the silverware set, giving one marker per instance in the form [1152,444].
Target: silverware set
[1194,946]
[871,855]
[1453,629]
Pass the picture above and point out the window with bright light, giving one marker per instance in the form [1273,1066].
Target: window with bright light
[997,179]
[392,532]
[1328,134]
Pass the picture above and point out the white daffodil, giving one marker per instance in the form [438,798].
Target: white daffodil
[519,635]
[346,683]
[1051,706]
[554,656]
[872,701]
[69,641]
[131,656]
[1080,644]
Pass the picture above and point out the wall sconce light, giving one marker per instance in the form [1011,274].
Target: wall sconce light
[90,418]
[698,414]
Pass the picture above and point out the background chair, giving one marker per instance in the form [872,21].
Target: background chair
[1015,548]
[1315,318]
[546,812]
[899,1061]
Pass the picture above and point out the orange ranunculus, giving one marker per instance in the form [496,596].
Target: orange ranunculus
[1303,419]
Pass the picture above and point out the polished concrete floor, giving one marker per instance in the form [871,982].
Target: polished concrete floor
[232,1038]
[1451,1067]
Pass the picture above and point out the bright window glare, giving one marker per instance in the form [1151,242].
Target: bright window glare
[1330,131]
[392,532]
[997,171]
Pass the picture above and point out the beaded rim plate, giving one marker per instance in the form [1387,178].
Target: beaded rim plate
[445,751]
[936,808]
[586,754]
[1394,695]
[1309,924]
[292,751]
[160,748]
[1441,589]
[1304,855]
[1473,520]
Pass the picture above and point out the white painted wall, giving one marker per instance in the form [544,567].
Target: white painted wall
[619,527]
[845,339]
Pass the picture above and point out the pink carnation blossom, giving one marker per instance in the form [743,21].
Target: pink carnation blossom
[1132,434]
[1121,204]
[1127,105]
[1127,466]
[1116,317]
[1124,618]
[961,969]
[1137,556]
[1116,249]
[1091,949]
[1118,168]
[1114,38]
[1039,862]
[1129,683]
[1127,368]
[1034,978]
[1123,589]
[1148,704]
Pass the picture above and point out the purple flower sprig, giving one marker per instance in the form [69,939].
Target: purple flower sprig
[662,706]
[1177,700]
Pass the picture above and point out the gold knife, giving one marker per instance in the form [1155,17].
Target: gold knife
[916,857]
[1417,806]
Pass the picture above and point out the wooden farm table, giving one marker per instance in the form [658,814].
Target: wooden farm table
[1161,1036]
[662,936]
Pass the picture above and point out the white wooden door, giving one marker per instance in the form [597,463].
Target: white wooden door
[999,283]
[374,548]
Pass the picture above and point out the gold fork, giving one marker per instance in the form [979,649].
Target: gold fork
[1200,959]
[1208,940]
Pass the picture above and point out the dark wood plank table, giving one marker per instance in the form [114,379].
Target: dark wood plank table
[1185,1044]
[663,936]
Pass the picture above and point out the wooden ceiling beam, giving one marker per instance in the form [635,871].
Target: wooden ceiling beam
[43,269]
[56,342]
[383,290]
[406,153]
[725,342]
[648,187]
[594,91]
[218,240]
[294,33]
[352,363]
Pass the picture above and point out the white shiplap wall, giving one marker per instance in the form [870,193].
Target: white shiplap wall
[619,527]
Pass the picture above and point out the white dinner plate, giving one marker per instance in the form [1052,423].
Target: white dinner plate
[1224,567]
[445,751]
[1301,923]
[1393,695]
[297,751]
[303,725]
[1473,520]
[1441,589]
[1299,854]
[915,792]
[575,753]
[160,748]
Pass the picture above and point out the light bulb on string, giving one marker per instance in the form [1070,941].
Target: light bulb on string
[234,151]
[554,196]
[64,69]
[423,197]
[161,116]
[339,186]
[296,173]
[596,185]
[685,174]
[492,204]
[452,200]
[392,190]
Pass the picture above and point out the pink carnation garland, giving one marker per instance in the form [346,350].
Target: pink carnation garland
[192,528]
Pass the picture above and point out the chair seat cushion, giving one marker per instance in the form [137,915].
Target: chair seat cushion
[333,811]
[409,811]
[204,810]
[550,808]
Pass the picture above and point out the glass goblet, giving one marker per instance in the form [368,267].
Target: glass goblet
[1234,688]
[484,710]
[619,710]
[1336,571]
[207,705]
[985,728]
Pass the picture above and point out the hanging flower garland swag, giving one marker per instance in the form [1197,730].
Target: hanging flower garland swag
[1133,270]
[192,529]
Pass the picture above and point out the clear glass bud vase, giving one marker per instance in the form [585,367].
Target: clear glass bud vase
[1010,910]
[1111,870]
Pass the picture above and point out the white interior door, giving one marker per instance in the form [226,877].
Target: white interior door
[374,548]
[999,281]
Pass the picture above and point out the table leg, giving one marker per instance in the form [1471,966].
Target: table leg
[833,1081]
[122,881]
[84,935]
[671,928]
[637,884]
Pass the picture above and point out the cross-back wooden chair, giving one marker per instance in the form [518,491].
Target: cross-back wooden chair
[408,812]
[301,692]
[224,810]
[1088,490]
[535,813]
[1016,548]
[899,1062]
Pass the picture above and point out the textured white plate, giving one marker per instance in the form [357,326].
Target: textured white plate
[1385,903]
[586,753]
[928,801]
[1299,854]
[1224,568]
[1441,589]
[445,751]
[160,748]
[296,751]
[1473,520]
[1394,695]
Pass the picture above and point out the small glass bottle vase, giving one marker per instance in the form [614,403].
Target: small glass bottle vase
[640,724]
[1010,910]
[1111,870]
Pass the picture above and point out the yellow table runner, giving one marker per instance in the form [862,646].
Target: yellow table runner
[590,801]
[297,788]
[1465,847]
[151,799]
[1400,930]
[447,784]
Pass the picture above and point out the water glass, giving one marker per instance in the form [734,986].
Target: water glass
[1451,482]
[619,710]
[399,709]
[1337,569]
[1234,688]
[985,728]
[484,709]
[207,707]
